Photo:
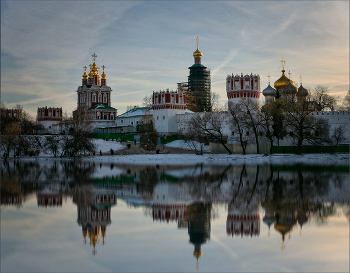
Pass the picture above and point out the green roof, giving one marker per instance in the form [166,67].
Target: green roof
[102,106]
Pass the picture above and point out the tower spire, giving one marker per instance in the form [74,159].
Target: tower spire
[268,75]
[301,80]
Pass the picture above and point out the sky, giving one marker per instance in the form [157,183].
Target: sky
[147,46]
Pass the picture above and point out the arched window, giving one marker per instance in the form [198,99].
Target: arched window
[99,98]
[94,97]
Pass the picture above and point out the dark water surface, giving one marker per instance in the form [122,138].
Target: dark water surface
[65,216]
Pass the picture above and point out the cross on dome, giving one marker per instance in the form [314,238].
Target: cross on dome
[269,77]
[283,61]
[94,56]
[289,73]
[85,67]
[197,41]
[103,67]
[301,79]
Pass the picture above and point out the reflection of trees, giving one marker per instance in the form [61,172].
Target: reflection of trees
[148,181]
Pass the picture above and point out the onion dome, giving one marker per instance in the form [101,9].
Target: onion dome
[283,81]
[94,69]
[269,91]
[197,53]
[290,89]
[85,76]
[103,75]
[197,253]
[302,91]
[91,75]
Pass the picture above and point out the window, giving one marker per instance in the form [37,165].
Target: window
[104,99]
[99,98]
[247,84]
[94,98]
[121,121]
[132,123]
[247,133]
[163,117]
[237,84]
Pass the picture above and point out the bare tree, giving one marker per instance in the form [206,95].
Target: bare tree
[266,118]
[147,101]
[80,141]
[303,125]
[214,101]
[251,117]
[238,124]
[320,95]
[338,135]
[211,124]
[195,138]
[148,133]
[9,137]
[52,144]
[345,106]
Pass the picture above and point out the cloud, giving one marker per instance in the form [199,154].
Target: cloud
[228,59]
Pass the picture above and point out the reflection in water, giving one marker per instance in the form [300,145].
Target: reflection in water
[94,212]
[288,195]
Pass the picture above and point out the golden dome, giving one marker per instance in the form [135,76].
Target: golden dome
[91,75]
[197,253]
[94,69]
[197,53]
[85,75]
[283,81]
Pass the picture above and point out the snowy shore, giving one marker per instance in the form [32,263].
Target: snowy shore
[192,159]
[217,159]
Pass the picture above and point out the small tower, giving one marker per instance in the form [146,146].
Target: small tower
[103,77]
[238,87]
[199,85]
[91,76]
[85,77]
[165,105]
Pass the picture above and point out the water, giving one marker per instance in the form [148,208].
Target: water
[64,216]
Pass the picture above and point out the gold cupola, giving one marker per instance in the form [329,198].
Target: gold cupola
[94,69]
[103,76]
[91,75]
[283,81]
[197,53]
[85,76]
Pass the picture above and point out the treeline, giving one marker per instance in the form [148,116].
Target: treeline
[19,142]
[284,117]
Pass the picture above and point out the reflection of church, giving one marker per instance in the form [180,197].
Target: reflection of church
[198,218]
[168,206]
[239,224]
[94,213]
[285,219]
[50,196]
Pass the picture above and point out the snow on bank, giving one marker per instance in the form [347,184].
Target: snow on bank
[221,159]
[181,144]
[106,146]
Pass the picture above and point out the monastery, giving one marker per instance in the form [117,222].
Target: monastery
[170,109]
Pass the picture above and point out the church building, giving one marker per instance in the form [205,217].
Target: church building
[95,95]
